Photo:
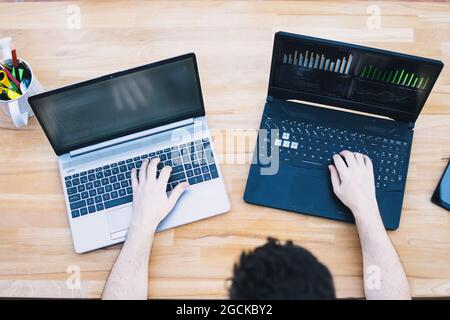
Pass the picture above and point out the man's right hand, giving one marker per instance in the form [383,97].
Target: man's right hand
[353,182]
[150,201]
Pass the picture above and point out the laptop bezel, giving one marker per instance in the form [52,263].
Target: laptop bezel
[287,94]
[62,151]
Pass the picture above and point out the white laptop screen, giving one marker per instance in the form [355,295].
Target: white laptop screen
[119,104]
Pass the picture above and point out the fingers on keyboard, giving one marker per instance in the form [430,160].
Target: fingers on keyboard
[111,185]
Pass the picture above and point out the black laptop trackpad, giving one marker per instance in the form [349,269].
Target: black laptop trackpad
[311,189]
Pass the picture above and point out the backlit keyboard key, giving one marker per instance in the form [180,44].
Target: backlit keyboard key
[195,180]
[74,197]
[177,176]
[205,169]
[177,168]
[118,201]
[78,204]
[214,174]
[75,213]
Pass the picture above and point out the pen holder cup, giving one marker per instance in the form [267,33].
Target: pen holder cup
[16,105]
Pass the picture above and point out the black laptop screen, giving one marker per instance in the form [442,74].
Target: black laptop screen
[120,104]
[351,76]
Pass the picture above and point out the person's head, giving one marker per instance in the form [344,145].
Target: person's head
[280,271]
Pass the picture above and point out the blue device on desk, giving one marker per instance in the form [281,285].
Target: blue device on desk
[289,169]
[441,195]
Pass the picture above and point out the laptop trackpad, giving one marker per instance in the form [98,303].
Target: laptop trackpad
[119,220]
[310,189]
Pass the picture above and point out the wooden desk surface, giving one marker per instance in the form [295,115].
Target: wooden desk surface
[233,42]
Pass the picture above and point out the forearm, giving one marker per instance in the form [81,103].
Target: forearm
[384,275]
[129,276]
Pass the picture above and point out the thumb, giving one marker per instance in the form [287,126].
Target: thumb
[176,193]
[335,181]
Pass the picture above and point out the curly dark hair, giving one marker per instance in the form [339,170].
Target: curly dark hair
[280,271]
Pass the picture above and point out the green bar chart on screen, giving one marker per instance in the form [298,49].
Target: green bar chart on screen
[394,76]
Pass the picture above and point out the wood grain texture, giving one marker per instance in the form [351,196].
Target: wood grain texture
[233,43]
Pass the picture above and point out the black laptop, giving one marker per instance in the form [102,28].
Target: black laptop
[312,83]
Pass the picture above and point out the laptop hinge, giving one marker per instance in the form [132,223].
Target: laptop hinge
[130,137]
[411,125]
[269,99]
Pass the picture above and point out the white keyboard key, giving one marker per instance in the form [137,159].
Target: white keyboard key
[286,144]
[294,145]
[285,136]
[277,142]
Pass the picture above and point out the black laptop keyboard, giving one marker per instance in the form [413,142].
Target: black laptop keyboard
[308,142]
[110,185]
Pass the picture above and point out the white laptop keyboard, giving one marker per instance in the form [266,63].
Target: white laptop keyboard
[110,185]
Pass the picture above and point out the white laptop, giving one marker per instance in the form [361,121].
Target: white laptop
[103,128]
